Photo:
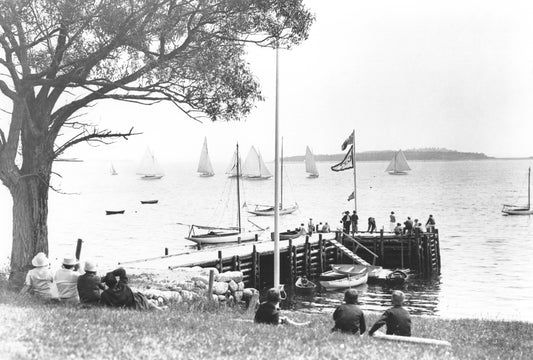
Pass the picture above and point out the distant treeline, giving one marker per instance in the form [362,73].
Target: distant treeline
[386,155]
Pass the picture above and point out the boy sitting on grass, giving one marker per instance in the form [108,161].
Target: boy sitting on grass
[268,312]
[397,318]
[39,279]
[349,317]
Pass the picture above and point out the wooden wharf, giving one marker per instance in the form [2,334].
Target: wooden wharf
[309,256]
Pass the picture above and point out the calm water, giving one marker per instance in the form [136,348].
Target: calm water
[486,257]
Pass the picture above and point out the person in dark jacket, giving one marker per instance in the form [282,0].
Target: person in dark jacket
[119,294]
[354,219]
[396,318]
[269,313]
[346,222]
[349,317]
[89,284]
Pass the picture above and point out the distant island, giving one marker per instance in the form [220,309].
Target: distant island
[411,154]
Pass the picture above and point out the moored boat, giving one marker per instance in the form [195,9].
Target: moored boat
[287,235]
[114,212]
[344,276]
[149,201]
[303,286]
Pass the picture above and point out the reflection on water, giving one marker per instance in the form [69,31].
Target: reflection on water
[421,298]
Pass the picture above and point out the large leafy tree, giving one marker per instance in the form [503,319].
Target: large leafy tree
[60,57]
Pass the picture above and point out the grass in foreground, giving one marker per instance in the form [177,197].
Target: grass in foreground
[32,330]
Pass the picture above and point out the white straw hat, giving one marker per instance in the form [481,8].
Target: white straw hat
[40,260]
[89,266]
[70,261]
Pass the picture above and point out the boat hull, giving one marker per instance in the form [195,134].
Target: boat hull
[270,211]
[206,174]
[114,212]
[149,201]
[224,237]
[341,283]
[257,177]
[518,212]
[286,235]
[151,177]
[397,173]
[312,176]
[305,288]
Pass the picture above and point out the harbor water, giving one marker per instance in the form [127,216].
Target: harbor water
[486,257]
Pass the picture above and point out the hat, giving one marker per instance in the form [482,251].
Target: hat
[89,266]
[346,212]
[70,261]
[40,260]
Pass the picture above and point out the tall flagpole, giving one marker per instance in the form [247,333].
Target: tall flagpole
[354,173]
[276,183]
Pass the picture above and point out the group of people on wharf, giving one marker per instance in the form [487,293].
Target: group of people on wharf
[350,224]
[348,317]
[86,288]
[312,228]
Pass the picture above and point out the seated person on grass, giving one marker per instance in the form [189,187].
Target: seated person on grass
[89,285]
[39,279]
[349,317]
[396,318]
[269,313]
[66,280]
[119,294]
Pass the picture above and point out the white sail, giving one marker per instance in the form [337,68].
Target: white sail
[204,165]
[310,166]
[113,171]
[254,166]
[232,168]
[149,165]
[398,163]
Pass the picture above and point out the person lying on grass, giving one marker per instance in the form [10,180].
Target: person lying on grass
[90,285]
[119,294]
[39,279]
[349,317]
[396,318]
[269,313]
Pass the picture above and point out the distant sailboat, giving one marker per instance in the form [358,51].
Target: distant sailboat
[398,164]
[254,167]
[204,165]
[149,168]
[310,166]
[113,171]
[231,171]
[517,209]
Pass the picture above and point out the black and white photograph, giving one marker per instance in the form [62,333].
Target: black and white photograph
[259,179]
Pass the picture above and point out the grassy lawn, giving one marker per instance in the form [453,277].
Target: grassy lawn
[33,330]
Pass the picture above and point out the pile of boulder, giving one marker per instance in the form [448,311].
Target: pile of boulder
[191,284]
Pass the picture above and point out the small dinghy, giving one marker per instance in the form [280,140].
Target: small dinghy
[302,286]
[287,235]
[149,201]
[395,278]
[114,212]
[344,276]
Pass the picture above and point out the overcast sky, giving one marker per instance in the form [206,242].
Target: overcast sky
[404,74]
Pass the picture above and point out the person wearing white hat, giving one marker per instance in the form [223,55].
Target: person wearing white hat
[89,284]
[66,280]
[39,279]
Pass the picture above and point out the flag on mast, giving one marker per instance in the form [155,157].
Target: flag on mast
[348,141]
[352,196]
[346,163]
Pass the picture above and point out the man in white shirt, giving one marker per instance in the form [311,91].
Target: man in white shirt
[66,280]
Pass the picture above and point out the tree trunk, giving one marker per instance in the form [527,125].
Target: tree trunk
[30,230]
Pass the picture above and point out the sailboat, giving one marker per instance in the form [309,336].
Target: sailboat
[219,235]
[310,166]
[254,167]
[268,210]
[520,210]
[398,164]
[231,171]
[113,171]
[149,168]
[204,165]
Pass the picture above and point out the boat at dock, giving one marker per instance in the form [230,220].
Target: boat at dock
[310,165]
[398,164]
[149,169]
[305,287]
[205,168]
[287,235]
[517,209]
[344,276]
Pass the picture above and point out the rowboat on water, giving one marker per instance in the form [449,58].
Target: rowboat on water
[303,286]
[149,201]
[114,212]
[287,235]
[344,276]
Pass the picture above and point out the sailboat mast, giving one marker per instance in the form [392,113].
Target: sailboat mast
[238,191]
[276,181]
[281,176]
[529,189]
[354,174]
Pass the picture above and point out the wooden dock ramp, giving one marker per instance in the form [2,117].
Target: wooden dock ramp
[348,252]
